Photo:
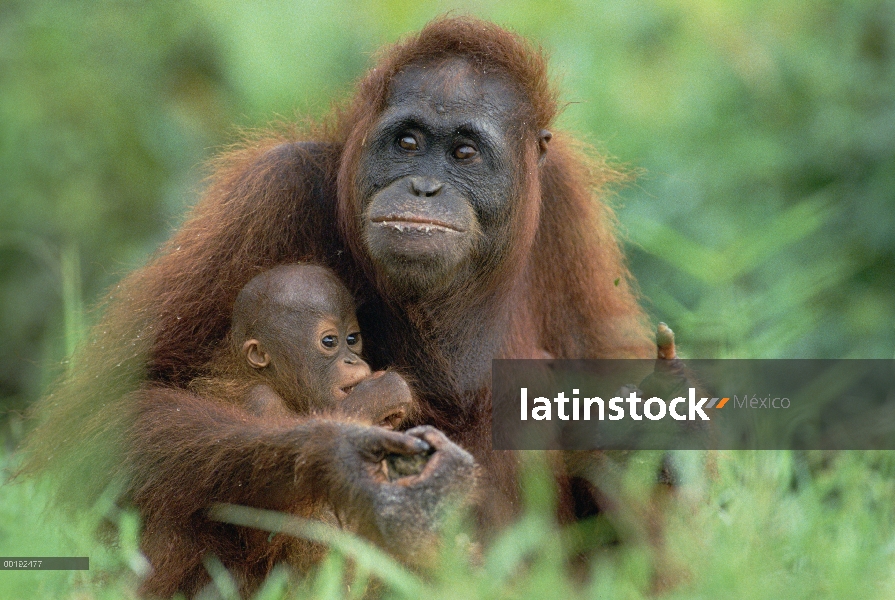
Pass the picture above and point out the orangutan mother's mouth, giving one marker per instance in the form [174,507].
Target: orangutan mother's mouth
[417,224]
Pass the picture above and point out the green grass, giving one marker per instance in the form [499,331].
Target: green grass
[741,525]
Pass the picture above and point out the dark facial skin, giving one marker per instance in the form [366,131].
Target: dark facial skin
[306,344]
[437,176]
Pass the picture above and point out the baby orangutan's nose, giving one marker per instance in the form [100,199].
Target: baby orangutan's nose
[354,370]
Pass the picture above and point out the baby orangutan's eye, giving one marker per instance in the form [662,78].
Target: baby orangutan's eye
[329,341]
[353,339]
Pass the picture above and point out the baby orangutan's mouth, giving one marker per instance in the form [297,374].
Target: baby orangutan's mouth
[347,389]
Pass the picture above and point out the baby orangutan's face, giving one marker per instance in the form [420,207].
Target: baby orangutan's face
[337,348]
[308,346]
[307,338]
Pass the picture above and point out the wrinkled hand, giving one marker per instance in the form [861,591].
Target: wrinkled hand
[443,458]
[670,377]
[383,399]
[411,481]
[364,448]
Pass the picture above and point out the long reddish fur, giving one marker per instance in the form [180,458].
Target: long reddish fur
[562,288]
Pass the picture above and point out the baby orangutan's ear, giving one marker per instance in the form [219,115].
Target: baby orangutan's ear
[255,354]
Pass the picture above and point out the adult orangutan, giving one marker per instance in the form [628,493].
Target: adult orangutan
[465,229]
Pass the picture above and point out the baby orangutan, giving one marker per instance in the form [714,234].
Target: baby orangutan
[294,349]
[288,380]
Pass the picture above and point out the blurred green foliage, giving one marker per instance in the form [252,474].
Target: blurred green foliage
[761,224]
[755,525]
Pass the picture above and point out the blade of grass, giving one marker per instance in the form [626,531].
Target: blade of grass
[390,571]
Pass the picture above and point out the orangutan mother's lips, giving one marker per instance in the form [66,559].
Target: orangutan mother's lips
[410,223]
